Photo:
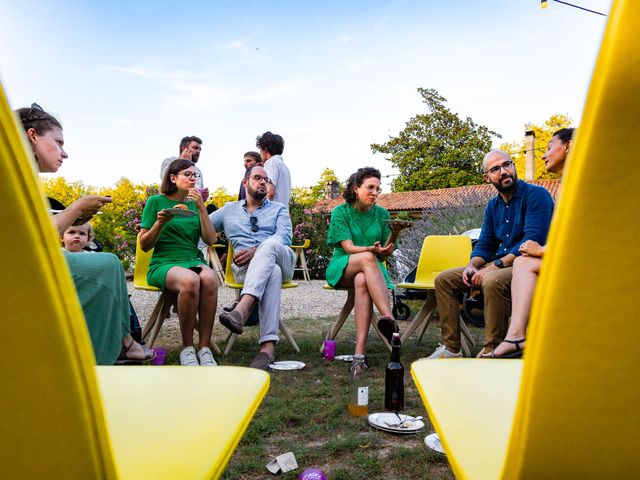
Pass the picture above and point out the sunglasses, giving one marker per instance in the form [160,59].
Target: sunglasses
[254,224]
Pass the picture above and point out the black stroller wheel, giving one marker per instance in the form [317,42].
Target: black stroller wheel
[401,311]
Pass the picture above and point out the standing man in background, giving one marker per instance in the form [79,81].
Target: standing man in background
[190,148]
[271,147]
[251,159]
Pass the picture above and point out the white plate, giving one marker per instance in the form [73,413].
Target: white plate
[433,443]
[287,365]
[344,358]
[380,420]
[178,212]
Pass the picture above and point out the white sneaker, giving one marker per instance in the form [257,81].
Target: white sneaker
[442,352]
[206,357]
[188,357]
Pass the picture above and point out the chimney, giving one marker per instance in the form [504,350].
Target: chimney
[331,190]
[530,155]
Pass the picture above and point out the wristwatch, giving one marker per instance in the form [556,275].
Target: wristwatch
[499,263]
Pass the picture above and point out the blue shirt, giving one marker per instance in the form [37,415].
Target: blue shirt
[527,216]
[272,220]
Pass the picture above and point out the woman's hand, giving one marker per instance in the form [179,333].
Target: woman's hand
[86,207]
[163,217]
[385,251]
[531,248]
[195,195]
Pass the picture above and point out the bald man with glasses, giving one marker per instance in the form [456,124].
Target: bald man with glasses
[260,232]
[519,212]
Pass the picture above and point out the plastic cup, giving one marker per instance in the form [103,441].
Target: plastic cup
[160,355]
[312,474]
[204,193]
[329,350]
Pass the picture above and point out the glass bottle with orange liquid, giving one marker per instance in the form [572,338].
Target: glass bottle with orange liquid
[358,387]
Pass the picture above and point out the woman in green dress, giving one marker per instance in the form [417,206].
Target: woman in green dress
[98,278]
[177,264]
[362,241]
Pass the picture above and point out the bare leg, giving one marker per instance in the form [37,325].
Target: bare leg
[363,312]
[186,284]
[245,305]
[523,286]
[378,292]
[208,304]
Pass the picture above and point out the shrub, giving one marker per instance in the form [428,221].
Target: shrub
[313,226]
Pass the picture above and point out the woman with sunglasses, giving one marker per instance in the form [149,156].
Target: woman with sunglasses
[526,267]
[172,223]
[98,278]
[362,241]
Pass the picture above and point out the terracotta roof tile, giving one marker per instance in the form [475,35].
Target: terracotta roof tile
[444,197]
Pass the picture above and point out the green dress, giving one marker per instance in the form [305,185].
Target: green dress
[102,291]
[363,229]
[177,244]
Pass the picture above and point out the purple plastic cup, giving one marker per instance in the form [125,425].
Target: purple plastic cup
[312,474]
[204,194]
[160,354]
[329,350]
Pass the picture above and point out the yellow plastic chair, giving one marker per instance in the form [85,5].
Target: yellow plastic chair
[161,311]
[230,281]
[439,253]
[63,417]
[300,258]
[570,408]
[214,261]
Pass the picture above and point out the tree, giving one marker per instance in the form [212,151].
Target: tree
[220,196]
[327,175]
[543,134]
[437,149]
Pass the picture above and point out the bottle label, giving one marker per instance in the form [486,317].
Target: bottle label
[363,395]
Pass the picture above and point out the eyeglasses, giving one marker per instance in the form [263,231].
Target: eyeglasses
[254,224]
[506,165]
[259,178]
[373,189]
[190,174]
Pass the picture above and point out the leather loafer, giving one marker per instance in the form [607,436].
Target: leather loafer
[261,361]
[233,321]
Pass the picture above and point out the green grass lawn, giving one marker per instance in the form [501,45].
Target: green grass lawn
[305,411]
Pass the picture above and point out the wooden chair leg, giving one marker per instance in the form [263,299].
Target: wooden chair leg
[231,339]
[153,318]
[287,334]
[465,347]
[216,266]
[427,307]
[342,317]
[164,313]
[465,332]
[303,264]
[425,324]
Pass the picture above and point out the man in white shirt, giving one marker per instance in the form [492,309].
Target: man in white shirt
[271,147]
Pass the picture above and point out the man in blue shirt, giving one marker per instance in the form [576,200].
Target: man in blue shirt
[519,212]
[260,232]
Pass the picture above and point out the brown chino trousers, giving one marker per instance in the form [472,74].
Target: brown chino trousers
[496,288]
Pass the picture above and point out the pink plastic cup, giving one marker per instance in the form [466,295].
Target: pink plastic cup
[329,350]
[312,474]
[204,193]
[160,355]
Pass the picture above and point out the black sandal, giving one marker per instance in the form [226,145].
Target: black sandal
[517,353]
[124,359]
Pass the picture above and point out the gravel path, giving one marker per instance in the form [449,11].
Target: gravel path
[309,301]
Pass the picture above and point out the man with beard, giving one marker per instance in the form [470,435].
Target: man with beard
[519,212]
[190,148]
[260,232]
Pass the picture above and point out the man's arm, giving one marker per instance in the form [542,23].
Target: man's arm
[272,172]
[283,226]
[538,213]
[271,190]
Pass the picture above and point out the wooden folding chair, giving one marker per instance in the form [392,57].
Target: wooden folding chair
[214,262]
[63,417]
[298,250]
[439,253]
[230,281]
[569,409]
[161,311]
[346,310]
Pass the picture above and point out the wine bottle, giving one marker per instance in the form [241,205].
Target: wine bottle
[394,379]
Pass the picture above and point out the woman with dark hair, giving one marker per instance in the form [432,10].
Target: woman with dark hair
[99,278]
[172,224]
[362,241]
[526,267]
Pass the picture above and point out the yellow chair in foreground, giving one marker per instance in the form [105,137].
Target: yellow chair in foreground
[230,281]
[439,253]
[63,417]
[570,408]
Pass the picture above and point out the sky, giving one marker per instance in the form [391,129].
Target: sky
[129,79]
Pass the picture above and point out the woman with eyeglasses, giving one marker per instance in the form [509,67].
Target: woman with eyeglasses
[98,278]
[526,268]
[362,241]
[172,223]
